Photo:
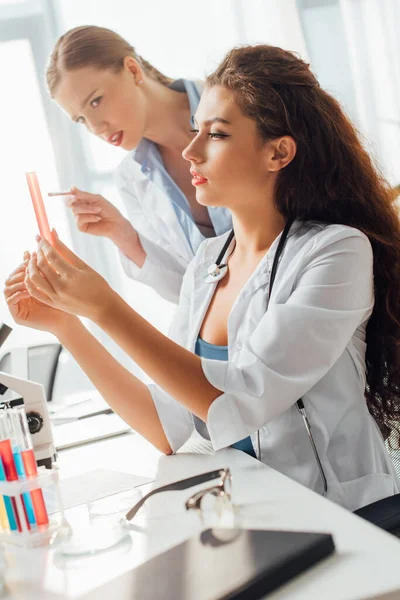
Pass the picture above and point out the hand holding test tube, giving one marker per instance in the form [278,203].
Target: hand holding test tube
[38,205]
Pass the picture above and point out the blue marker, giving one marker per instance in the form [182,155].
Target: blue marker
[7,501]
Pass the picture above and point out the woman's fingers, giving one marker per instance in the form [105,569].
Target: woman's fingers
[82,196]
[36,293]
[16,277]
[63,253]
[84,220]
[9,290]
[20,269]
[17,296]
[38,265]
[82,208]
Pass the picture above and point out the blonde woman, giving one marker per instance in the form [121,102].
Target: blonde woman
[97,78]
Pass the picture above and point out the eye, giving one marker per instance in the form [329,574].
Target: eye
[217,136]
[95,102]
[194,130]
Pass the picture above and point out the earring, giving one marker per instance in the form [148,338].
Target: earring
[140,81]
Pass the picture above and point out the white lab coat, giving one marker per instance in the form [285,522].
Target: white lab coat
[309,344]
[153,216]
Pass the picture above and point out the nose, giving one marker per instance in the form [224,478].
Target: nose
[193,152]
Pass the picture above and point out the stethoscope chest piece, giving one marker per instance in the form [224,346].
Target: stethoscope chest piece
[216,272]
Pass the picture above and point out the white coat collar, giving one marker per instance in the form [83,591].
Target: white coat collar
[203,292]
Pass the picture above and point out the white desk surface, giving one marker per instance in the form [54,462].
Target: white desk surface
[366,565]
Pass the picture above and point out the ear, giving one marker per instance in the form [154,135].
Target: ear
[281,152]
[131,65]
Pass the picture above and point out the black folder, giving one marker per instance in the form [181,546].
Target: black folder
[226,564]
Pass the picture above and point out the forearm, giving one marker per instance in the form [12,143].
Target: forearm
[128,241]
[175,369]
[125,393]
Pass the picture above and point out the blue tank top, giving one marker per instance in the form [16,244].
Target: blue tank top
[206,350]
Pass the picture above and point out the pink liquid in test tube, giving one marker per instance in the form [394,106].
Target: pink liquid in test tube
[38,205]
[11,473]
[39,505]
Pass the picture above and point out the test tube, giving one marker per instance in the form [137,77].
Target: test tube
[8,521]
[38,205]
[4,522]
[29,463]
[15,437]
[10,470]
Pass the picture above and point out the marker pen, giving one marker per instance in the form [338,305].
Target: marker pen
[29,463]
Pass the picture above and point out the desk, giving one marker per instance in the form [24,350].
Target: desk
[366,564]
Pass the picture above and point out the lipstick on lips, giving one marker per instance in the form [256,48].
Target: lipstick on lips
[116,138]
[197,178]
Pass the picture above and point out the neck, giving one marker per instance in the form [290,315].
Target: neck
[168,117]
[256,229]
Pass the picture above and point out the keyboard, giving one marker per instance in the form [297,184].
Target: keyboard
[76,433]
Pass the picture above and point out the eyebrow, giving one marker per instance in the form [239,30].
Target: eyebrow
[215,120]
[86,100]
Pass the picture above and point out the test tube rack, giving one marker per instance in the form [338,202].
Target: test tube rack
[41,535]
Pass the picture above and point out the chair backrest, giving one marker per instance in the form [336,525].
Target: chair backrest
[42,362]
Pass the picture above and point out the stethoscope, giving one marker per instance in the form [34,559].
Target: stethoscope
[216,272]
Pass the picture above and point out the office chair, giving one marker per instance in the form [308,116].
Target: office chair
[385,513]
[41,367]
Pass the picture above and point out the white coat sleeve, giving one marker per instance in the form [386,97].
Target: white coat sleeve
[177,421]
[297,342]
[161,270]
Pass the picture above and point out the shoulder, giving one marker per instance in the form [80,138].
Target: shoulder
[315,235]
[338,249]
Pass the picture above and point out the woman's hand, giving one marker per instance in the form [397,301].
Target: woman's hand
[29,311]
[95,215]
[58,278]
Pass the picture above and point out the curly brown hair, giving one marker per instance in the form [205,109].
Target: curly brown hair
[331,179]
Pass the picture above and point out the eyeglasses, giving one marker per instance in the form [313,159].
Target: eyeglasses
[220,491]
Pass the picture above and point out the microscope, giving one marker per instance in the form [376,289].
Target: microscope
[32,396]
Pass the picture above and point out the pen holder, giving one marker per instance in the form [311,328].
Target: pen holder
[31,511]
